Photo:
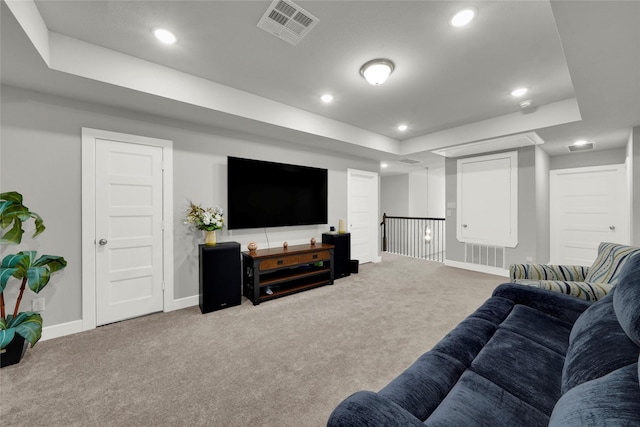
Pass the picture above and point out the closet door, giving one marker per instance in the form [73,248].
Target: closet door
[488,200]
[588,206]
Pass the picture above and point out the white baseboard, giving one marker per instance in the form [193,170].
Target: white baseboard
[60,330]
[477,267]
[69,328]
[185,302]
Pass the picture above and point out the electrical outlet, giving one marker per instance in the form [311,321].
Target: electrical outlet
[529,259]
[37,304]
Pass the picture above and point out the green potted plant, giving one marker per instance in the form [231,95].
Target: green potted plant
[18,329]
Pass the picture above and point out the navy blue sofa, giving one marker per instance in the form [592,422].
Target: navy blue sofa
[526,357]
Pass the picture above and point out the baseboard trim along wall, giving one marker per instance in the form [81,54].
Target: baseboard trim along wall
[477,267]
[60,330]
[70,328]
[185,302]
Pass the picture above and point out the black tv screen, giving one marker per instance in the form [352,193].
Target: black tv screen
[266,194]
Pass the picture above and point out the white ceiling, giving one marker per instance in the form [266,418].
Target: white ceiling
[581,61]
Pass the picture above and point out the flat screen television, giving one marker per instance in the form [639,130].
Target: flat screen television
[266,194]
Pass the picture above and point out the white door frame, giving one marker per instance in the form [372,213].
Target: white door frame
[375,208]
[89,137]
[625,213]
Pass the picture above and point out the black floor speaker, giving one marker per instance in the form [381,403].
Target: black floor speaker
[341,253]
[220,276]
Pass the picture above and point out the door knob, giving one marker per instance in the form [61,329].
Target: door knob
[102,242]
[612,227]
[464,225]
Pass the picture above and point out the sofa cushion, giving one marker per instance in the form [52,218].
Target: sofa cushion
[560,306]
[597,345]
[626,300]
[366,408]
[421,387]
[529,323]
[609,262]
[513,363]
[473,402]
[612,400]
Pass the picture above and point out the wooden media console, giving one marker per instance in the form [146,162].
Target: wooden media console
[273,273]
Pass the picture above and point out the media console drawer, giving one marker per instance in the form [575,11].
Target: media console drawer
[314,257]
[272,273]
[270,264]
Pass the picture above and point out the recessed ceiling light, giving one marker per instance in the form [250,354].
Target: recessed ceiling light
[519,92]
[383,165]
[402,128]
[326,98]
[165,36]
[463,17]
[580,142]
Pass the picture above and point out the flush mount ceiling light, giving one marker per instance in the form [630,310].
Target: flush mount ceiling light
[580,142]
[377,71]
[165,36]
[463,17]
[519,92]
[402,128]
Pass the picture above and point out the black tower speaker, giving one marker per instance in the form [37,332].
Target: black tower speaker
[341,253]
[220,276]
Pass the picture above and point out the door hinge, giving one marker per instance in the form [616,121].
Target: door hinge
[163,286]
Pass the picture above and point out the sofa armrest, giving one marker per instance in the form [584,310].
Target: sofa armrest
[366,408]
[586,290]
[564,307]
[574,273]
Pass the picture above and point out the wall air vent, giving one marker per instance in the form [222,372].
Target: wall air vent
[584,147]
[287,21]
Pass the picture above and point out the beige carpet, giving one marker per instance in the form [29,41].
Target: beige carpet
[286,362]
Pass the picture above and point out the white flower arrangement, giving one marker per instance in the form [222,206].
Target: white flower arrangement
[208,219]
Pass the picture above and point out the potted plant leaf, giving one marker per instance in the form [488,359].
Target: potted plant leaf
[18,329]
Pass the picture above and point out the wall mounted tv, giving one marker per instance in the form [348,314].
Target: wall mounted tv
[266,194]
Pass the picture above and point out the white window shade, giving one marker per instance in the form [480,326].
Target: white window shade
[488,200]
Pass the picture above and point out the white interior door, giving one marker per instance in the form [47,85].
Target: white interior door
[128,227]
[588,206]
[362,207]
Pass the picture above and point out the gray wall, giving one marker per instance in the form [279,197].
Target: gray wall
[41,158]
[394,195]
[420,193]
[614,156]
[543,217]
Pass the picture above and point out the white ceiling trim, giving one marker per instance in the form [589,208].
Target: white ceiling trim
[553,114]
[76,57]
[496,144]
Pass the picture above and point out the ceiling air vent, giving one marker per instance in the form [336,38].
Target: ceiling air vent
[583,147]
[287,21]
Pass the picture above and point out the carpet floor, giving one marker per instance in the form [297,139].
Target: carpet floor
[285,362]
